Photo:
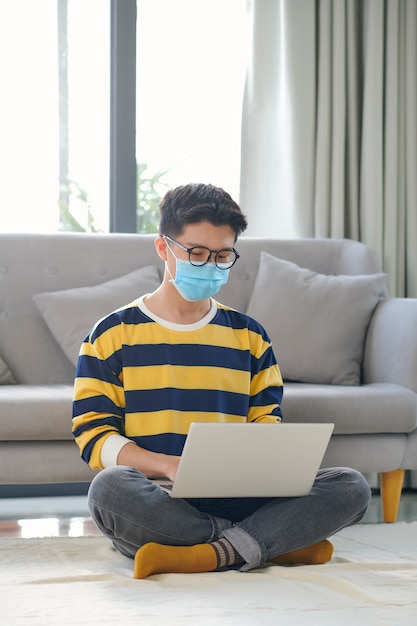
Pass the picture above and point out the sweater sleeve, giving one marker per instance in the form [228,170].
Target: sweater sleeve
[111,448]
[99,400]
[267,389]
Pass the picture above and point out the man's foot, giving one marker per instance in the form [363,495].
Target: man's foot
[155,558]
[316,554]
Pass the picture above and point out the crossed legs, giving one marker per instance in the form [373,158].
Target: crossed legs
[164,534]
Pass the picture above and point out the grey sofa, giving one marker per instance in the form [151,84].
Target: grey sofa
[347,351]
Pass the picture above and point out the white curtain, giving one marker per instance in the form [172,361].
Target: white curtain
[329,132]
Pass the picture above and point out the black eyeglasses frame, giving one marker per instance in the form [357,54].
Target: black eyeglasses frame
[210,252]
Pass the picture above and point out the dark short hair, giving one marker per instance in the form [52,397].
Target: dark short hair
[197,202]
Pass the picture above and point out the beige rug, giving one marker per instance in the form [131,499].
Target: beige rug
[372,579]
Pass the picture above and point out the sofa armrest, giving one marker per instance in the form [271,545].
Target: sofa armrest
[391,344]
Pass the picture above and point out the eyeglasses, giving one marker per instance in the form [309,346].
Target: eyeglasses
[200,255]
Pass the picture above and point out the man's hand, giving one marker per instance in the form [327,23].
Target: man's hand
[147,462]
[172,463]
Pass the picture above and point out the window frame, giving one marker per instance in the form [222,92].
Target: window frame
[123,185]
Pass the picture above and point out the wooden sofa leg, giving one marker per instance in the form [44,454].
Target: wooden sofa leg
[391,487]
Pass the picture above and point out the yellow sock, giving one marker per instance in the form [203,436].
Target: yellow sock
[316,554]
[155,558]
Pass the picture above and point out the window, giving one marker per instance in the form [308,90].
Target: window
[54,115]
[191,68]
[57,117]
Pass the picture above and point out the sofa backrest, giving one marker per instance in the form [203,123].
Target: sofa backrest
[37,263]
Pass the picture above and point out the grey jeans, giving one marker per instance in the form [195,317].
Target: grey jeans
[131,510]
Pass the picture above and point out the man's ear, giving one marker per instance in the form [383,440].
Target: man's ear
[161,248]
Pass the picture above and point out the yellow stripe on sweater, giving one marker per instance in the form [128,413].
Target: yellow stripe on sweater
[181,377]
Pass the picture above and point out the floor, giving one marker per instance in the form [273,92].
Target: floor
[65,516]
[68,516]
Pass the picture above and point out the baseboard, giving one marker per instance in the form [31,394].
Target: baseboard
[43,490]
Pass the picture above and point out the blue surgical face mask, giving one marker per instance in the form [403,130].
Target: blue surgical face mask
[197,282]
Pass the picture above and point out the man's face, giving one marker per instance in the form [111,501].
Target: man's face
[200,234]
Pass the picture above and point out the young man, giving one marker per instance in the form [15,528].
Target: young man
[175,356]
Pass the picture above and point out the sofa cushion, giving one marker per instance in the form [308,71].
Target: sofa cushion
[357,410]
[317,323]
[36,413]
[6,376]
[70,314]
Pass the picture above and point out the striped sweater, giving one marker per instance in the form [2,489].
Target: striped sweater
[148,380]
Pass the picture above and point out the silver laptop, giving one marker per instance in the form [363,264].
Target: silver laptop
[223,460]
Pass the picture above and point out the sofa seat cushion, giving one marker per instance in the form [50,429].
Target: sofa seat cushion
[379,452]
[317,323]
[364,409]
[35,412]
